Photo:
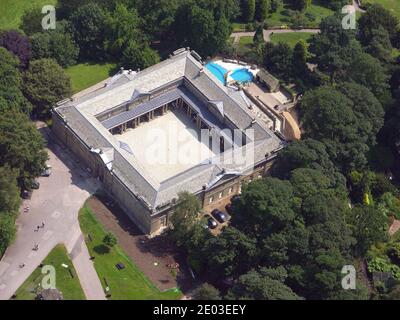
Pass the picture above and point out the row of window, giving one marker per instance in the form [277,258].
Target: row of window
[221,194]
[231,189]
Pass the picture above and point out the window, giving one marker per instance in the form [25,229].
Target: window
[230,190]
[220,195]
[211,199]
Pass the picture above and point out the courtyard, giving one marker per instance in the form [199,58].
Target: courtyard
[167,145]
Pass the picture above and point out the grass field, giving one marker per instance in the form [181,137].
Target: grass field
[70,287]
[84,75]
[290,38]
[392,5]
[246,40]
[12,11]
[127,284]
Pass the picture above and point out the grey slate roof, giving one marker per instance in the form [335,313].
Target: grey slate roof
[80,116]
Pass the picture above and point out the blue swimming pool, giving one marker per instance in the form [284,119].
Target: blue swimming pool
[240,74]
[217,71]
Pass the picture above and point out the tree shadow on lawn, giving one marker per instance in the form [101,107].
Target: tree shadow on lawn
[101,249]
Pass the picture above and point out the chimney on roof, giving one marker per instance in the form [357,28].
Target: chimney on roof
[121,70]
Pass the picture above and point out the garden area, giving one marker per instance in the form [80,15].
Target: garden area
[285,17]
[67,281]
[384,263]
[128,283]
[310,18]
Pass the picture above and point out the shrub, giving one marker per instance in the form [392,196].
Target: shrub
[110,239]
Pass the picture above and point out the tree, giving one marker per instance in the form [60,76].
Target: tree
[278,59]
[236,252]
[45,84]
[379,45]
[369,226]
[301,4]
[206,292]
[185,216]
[200,29]
[367,109]
[262,10]
[265,206]
[11,97]
[110,239]
[258,38]
[57,44]
[307,182]
[31,21]
[300,54]
[334,4]
[275,4]
[88,27]
[7,232]
[328,117]
[158,17]
[9,191]
[334,47]
[367,70]
[21,147]
[249,9]
[266,284]
[122,28]
[375,17]
[139,56]
[17,44]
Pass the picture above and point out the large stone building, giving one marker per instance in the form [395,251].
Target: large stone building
[118,132]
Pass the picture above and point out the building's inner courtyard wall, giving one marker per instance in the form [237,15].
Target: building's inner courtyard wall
[167,145]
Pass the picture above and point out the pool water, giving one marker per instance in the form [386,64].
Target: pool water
[217,70]
[241,74]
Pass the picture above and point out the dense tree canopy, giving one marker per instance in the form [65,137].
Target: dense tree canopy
[57,44]
[200,29]
[21,147]
[122,28]
[11,96]
[342,122]
[45,84]
[265,284]
[89,30]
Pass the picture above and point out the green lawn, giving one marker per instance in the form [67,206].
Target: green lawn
[12,11]
[238,27]
[127,284]
[245,41]
[290,38]
[70,287]
[84,75]
[392,5]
